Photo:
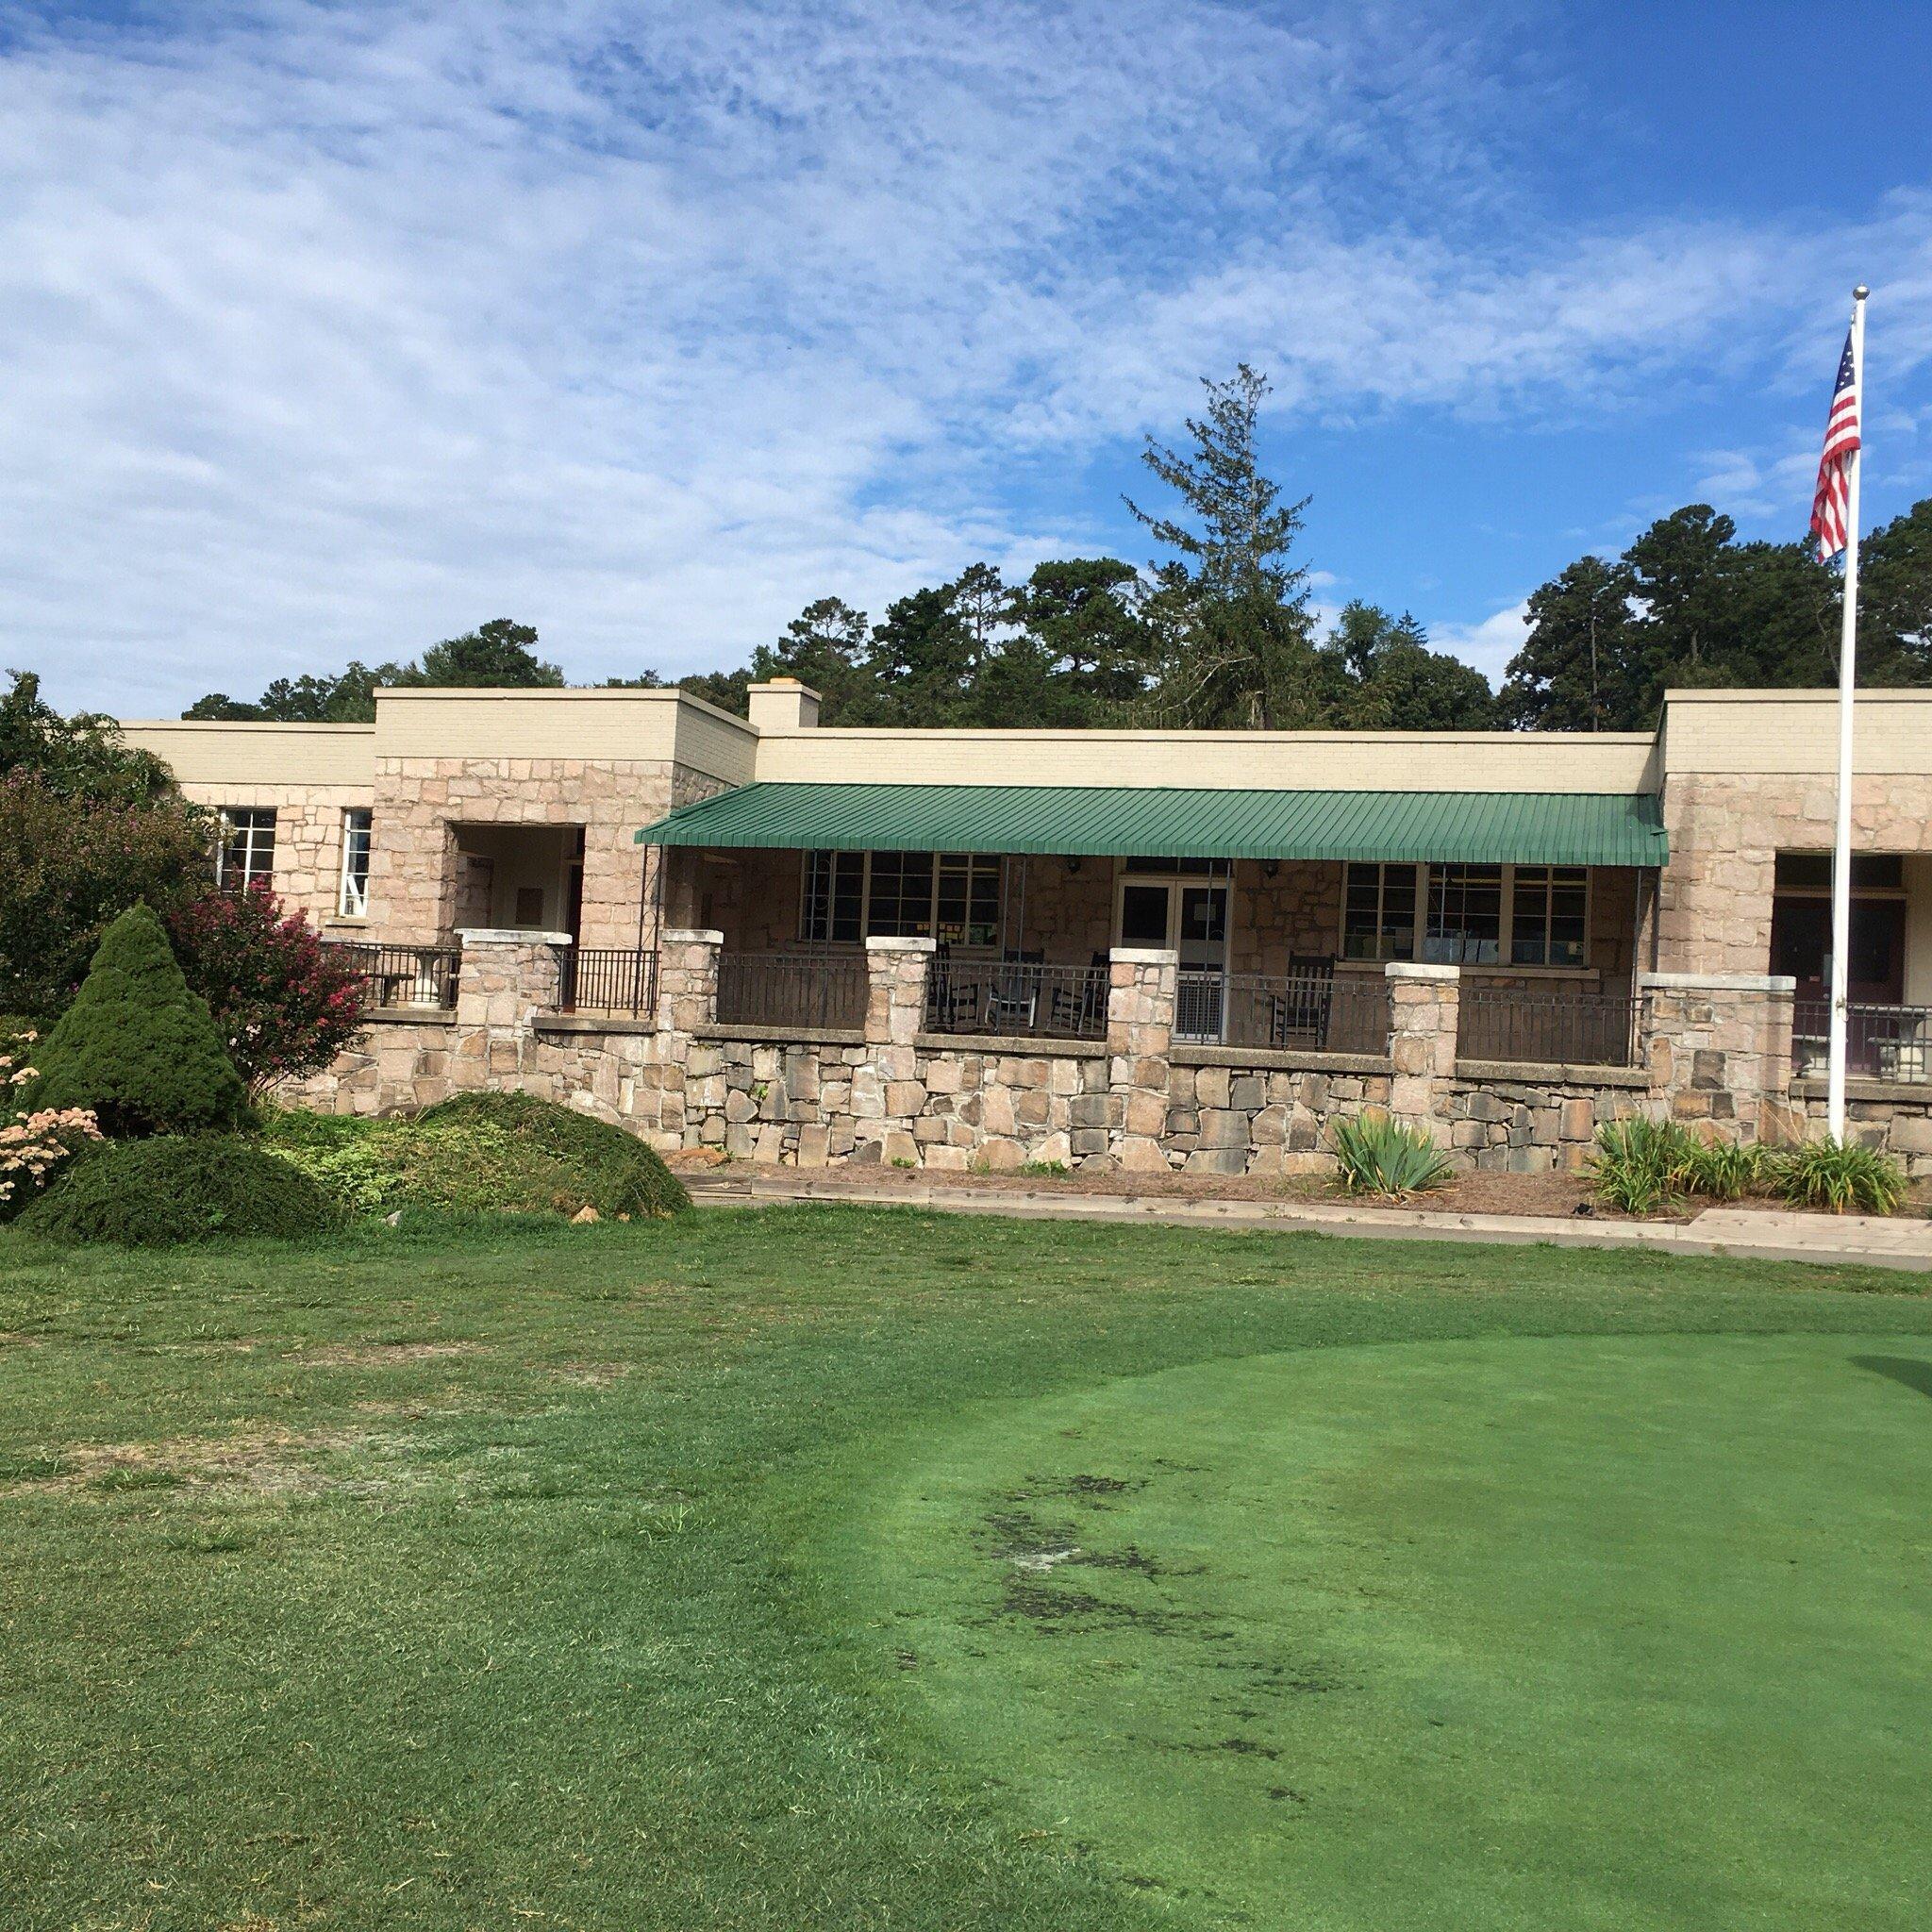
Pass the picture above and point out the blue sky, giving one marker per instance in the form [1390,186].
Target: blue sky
[330,331]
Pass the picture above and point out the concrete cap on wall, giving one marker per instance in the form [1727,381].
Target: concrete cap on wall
[693,936]
[510,935]
[1721,982]
[1409,969]
[1145,956]
[885,943]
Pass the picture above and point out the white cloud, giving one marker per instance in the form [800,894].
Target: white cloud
[1489,645]
[328,331]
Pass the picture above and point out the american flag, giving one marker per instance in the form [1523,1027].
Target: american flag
[1841,444]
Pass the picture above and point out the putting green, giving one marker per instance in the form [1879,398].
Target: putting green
[1605,1632]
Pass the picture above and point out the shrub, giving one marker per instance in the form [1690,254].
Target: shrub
[87,827]
[480,1153]
[32,1145]
[1379,1156]
[137,1047]
[284,1004]
[176,1189]
[1842,1176]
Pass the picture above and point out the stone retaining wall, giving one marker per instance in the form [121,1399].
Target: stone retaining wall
[1713,1053]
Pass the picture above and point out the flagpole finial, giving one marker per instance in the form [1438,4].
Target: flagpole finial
[1859,293]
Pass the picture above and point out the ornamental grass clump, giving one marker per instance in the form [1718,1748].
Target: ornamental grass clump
[1642,1166]
[1845,1176]
[136,1047]
[1379,1156]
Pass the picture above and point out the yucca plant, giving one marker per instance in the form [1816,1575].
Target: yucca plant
[1641,1165]
[1724,1170]
[1843,1175]
[1381,1156]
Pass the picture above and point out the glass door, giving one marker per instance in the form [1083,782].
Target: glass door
[1188,917]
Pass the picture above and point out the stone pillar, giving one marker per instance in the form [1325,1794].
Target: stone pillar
[1425,1011]
[887,1093]
[687,979]
[505,979]
[1717,1047]
[1130,1132]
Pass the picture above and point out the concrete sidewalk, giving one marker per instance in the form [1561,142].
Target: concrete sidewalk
[1757,1234]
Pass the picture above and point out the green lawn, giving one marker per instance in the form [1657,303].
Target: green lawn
[827,1567]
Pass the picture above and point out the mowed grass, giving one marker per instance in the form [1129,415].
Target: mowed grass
[641,1576]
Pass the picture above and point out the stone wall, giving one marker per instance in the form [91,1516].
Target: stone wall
[1714,1053]
[1715,896]
[1894,1117]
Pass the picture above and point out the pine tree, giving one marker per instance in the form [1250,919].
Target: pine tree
[137,1047]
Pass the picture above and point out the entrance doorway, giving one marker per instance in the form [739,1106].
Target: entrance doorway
[1186,915]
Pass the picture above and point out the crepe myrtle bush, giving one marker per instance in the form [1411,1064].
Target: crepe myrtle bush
[285,1004]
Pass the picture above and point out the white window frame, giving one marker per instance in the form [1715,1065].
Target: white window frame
[351,897]
[253,867]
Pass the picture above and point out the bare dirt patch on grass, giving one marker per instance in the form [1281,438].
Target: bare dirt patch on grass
[269,1460]
[382,1355]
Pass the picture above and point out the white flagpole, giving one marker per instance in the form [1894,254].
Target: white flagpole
[1847,680]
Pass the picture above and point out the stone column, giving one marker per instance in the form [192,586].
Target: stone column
[1425,1009]
[687,979]
[1717,1047]
[505,979]
[1131,1127]
[887,1093]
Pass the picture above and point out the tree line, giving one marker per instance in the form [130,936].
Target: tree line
[1219,634]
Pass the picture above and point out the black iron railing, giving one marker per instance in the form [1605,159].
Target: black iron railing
[401,976]
[1321,1012]
[1881,1042]
[609,979]
[792,990]
[1017,996]
[1566,1026]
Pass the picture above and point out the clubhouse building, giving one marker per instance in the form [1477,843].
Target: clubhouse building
[1143,949]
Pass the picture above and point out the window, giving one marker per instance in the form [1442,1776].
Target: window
[1465,926]
[832,906]
[248,847]
[898,904]
[1378,918]
[354,902]
[1810,871]
[953,896]
[969,900]
[1549,916]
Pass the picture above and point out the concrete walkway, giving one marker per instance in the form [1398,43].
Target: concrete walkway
[1758,1233]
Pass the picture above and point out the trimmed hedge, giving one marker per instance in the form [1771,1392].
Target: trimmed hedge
[137,1047]
[176,1189]
[480,1154]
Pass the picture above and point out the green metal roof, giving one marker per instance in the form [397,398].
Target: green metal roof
[1467,827]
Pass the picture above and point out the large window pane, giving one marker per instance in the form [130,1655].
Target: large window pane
[1378,912]
[356,836]
[1465,918]
[248,846]
[968,899]
[900,904]
[1549,919]
[829,906]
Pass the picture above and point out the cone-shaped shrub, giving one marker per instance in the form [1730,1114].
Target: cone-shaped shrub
[137,1047]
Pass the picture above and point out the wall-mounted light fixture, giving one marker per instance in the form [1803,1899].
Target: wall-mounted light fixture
[1270,867]
[1072,865]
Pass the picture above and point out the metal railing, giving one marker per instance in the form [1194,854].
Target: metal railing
[401,976]
[1017,996]
[607,979]
[1569,1027]
[1339,1012]
[792,990]
[1881,1042]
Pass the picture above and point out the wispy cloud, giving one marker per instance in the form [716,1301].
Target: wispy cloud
[328,330]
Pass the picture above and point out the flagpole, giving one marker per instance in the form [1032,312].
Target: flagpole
[1847,680]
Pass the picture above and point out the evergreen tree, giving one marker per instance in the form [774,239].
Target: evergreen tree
[500,653]
[1578,669]
[137,1047]
[1382,676]
[1895,601]
[825,646]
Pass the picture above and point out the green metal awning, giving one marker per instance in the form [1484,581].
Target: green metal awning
[1452,827]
